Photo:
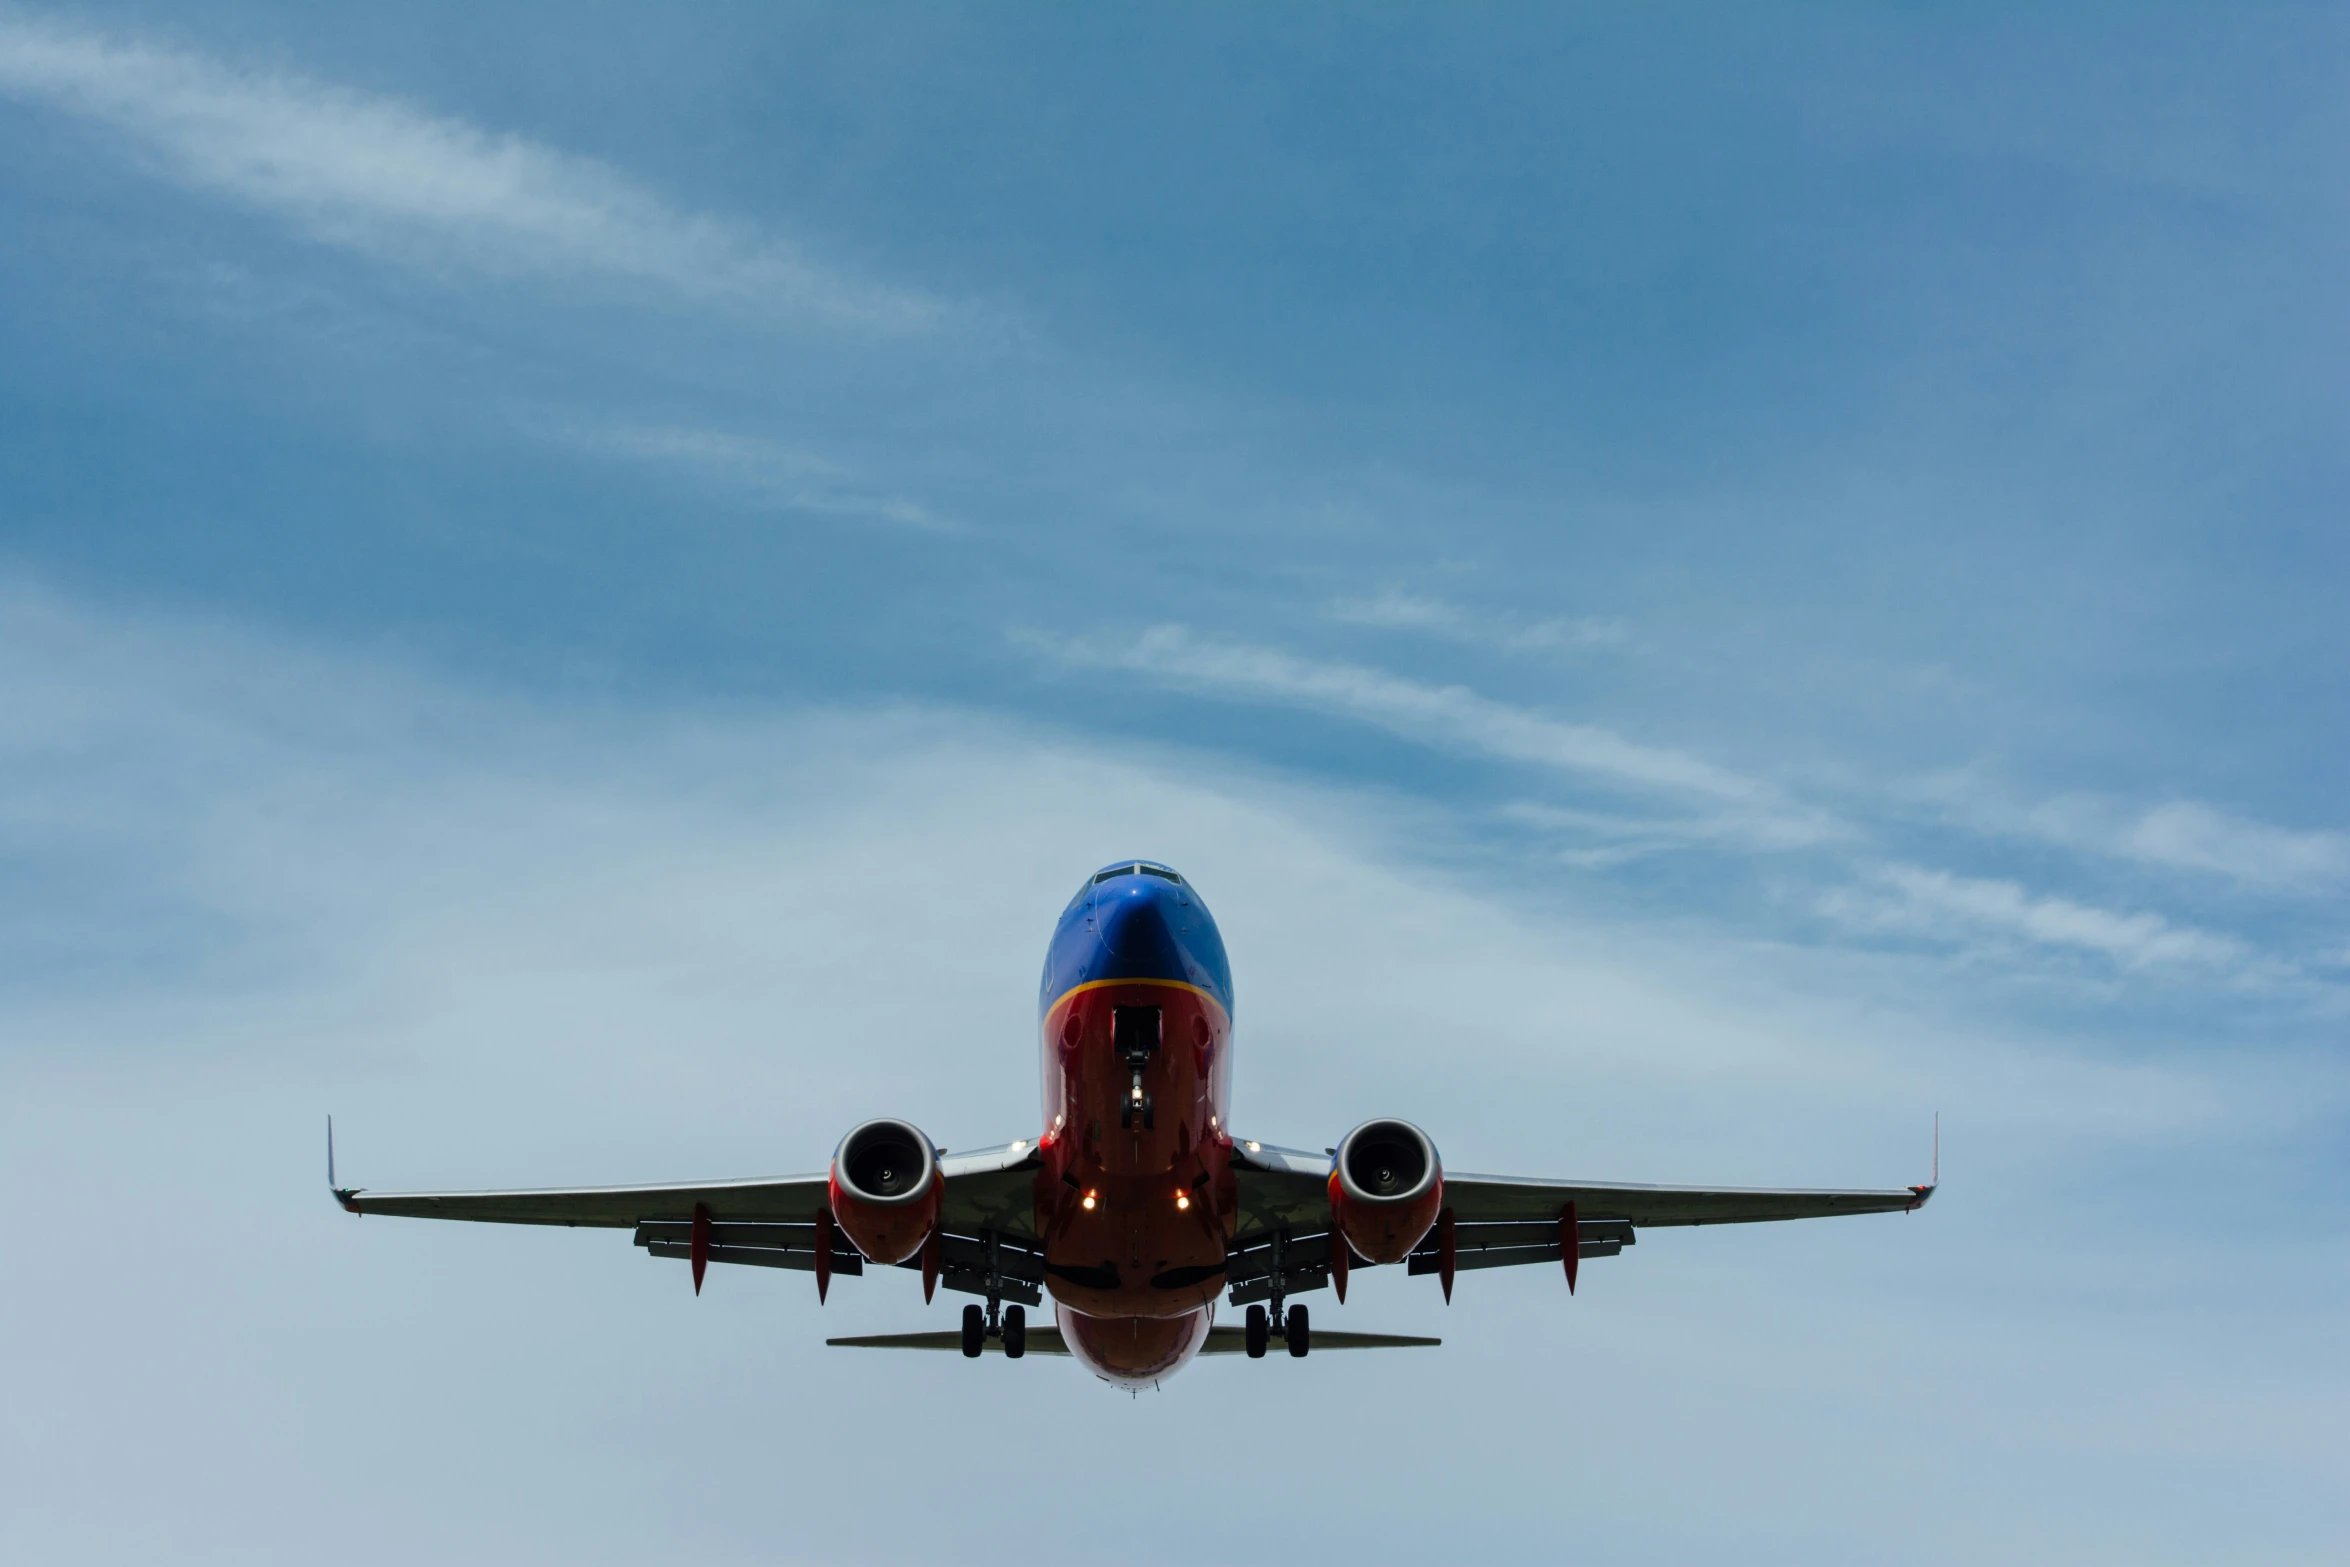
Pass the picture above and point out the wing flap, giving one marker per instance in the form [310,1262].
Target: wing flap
[1041,1341]
[1234,1341]
[851,1264]
[1427,1261]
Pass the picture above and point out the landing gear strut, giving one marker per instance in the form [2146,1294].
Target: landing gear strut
[995,1285]
[1009,1323]
[1134,1033]
[1292,1326]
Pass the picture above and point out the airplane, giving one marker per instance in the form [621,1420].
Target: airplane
[1136,1207]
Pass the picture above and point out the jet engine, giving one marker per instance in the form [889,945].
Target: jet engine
[885,1189]
[1385,1188]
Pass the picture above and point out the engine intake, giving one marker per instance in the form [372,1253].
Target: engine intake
[885,1189]
[1386,1186]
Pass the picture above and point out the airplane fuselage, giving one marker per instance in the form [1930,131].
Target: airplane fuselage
[1135,1197]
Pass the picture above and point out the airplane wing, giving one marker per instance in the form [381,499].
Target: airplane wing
[771,1222]
[1497,1221]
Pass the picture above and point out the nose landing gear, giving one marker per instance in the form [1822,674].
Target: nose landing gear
[1134,1034]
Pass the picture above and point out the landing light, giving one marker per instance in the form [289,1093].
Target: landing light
[1021,1146]
[1256,1147]
[1089,1202]
[1182,1201]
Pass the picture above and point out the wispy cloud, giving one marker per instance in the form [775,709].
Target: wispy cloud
[1397,611]
[1449,717]
[1941,906]
[1604,838]
[768,472]
[2177,835]
[2189,835]
[395,181]
[1669,801]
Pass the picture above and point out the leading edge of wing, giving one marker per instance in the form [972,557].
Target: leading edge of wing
[1488,1198]
[1497,1198]
[607,1207]
[790,1198]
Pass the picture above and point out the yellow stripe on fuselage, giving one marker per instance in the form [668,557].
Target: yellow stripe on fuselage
[1172,984]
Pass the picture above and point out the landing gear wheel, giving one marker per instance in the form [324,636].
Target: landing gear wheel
[1299,1335]
[1256,1333]
[974,1331]
[1015,1332]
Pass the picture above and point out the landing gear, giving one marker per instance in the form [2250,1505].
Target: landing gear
[1015,1332]
[1134,1034]
[1009,1323]
[1293,1328]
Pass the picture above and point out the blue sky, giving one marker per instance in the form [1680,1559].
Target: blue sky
[578,585]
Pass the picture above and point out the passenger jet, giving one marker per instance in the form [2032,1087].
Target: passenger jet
[1135,1207]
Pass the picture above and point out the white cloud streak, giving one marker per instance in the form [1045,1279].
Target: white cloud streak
[768,472]
[2189,835]
[391,180]
[1396,611]
[2176,835]
[1695,805]
[1941,906]
[1448,717]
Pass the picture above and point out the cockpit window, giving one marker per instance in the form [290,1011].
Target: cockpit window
[1160,870]
[1115,870]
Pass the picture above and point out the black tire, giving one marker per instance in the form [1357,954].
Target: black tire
[1256,1334]
[1299,1335]
[974,1331]
[1015,1332]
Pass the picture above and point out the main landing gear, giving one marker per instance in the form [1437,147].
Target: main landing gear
[979,1327]
[1294,1329]
[1013,1330]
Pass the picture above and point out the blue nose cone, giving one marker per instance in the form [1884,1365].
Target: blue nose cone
[1140,921]
[1136,921]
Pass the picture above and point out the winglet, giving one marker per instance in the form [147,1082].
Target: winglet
[343,1195]
[1933,1179]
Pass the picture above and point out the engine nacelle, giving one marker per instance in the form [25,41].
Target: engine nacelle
[885,1190]
[1385,1189]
